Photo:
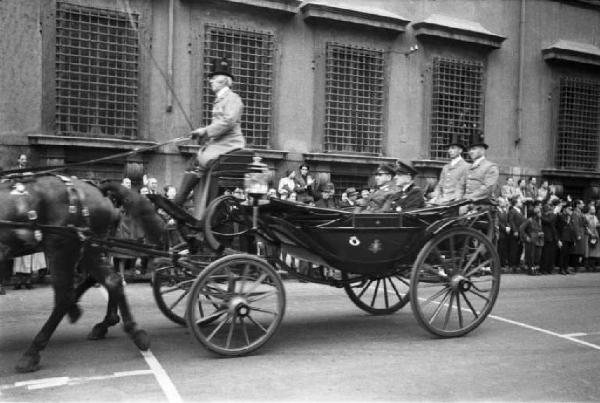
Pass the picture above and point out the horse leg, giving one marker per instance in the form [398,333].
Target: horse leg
[116,299]
[62,263]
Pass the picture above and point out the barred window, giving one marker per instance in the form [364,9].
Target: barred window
[578,124]
[354,81]
[456,103]
[97,57]
[250,54]
[343,182]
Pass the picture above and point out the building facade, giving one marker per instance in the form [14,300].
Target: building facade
[342,85]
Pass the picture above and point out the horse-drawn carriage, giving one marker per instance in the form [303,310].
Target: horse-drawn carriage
[225,282]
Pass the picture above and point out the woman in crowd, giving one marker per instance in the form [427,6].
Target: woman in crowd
[303,185]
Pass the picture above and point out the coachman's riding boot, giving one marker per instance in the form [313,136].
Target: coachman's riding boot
[188,182]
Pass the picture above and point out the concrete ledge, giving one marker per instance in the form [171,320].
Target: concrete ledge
[572,52]
[87,142]
[449,28]
[347,158]
[365,16]
[289,7]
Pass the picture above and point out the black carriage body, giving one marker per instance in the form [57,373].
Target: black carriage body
[360,243]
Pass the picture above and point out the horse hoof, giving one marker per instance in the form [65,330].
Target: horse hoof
[74,313]
[141,339]
[98,332]
[28,363]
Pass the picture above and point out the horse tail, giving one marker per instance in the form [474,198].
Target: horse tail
[139,208]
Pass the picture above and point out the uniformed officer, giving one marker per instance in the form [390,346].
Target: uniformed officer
[408,196]
[451,185]
[385,188]
[482,175]
[222,135]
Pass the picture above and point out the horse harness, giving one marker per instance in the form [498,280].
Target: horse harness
[78,212]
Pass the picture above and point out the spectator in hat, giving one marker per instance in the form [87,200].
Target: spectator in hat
[408,196]
[326,200]
[482,176]
[287,183]
[515,220]
[222,135]
[304,185]
[351,197]
[566,238]
[385,188]
[451,185]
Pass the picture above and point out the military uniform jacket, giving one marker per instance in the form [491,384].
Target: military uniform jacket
[411,197]
[482,177]
[376,202]
[451,185]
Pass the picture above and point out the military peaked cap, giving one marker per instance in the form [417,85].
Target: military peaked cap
[405,169]
[386,169]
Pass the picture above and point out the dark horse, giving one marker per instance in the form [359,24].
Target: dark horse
[71,215]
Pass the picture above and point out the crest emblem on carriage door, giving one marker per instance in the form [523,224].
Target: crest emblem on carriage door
[354,241]
[376,246]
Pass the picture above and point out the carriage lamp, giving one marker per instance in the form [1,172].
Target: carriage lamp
[256,180]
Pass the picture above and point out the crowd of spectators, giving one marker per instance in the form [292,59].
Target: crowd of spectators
[540,231]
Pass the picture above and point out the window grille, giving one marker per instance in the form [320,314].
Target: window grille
[578,124]
[97,57]
[343,182]
[457,103]
[354,80]
[250,54]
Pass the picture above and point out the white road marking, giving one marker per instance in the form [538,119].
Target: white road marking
[568,337]
[575,334]
[167,386]
[44,383]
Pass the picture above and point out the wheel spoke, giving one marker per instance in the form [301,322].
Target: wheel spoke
[449,311]
[385,294]
[257,324]
[473,311]
[176,287]
[263,295]
[396,290]
[365,287]
[219,326]
[479,295]
[244,330]
[178,300]
[472,258]
[244,276]
[434,296]
[231,327]
[375,293]
[478,267]
[459,310]
[210,317]
[263,310]
[440,306]
[258,282]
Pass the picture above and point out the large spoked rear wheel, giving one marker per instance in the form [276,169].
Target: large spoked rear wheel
[236,305]
[170,287]
[379,296]
[226,224]
[455,282]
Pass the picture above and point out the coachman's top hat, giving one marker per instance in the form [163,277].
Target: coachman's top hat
[478,141]
[405,169]
[455,141]
[221,67]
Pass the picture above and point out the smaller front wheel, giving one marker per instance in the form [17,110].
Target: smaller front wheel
[236,305]
[379,295]
[455,281]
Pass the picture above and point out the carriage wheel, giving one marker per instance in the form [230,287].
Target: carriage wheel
[225,223]
[455,282]
[170,286]
[379,296]
[236,304]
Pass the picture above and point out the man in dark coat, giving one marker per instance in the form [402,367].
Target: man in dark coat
[326,200]
[566,238]
[549,218]
[408,196]
[515,220]
[503,231]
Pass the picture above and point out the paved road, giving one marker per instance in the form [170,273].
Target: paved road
[542,343]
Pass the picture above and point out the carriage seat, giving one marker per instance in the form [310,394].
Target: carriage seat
[229,169]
